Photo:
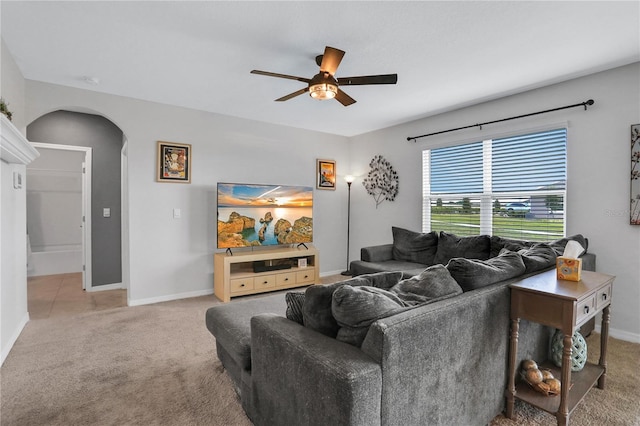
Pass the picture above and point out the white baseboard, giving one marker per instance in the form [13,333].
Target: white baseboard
[150,300]
[328,273]
[114,286]
[620,334]
[14,337]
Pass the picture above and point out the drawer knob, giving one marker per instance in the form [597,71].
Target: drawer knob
[586,309]
[242,285]
[306,276]
[604,296]
[265,282]
[286,279]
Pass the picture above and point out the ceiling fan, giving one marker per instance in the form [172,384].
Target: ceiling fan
[324,85]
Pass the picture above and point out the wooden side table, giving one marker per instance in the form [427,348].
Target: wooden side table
[565,305]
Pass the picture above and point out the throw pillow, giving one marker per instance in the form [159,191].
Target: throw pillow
[472,274]
[538,257]
[316,311]
[451,245]
[295,301]
[433,284]
[356,308]
[410,246]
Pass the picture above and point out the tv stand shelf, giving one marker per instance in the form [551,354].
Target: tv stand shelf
[234,275]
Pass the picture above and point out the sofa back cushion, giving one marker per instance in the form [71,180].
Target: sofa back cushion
[316,308]
[451,245]
[559,245]
[498,243]
[473,273]
[538,257]
[432,284]
[356,308]
[410,246]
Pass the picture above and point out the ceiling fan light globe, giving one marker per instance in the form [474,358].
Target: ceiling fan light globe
[323,91]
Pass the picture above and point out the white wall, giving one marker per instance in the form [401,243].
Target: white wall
[172,258]
[13,255]
[598,172]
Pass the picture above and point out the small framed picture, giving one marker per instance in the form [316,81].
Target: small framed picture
[302,262]
[174,162]
[326,174]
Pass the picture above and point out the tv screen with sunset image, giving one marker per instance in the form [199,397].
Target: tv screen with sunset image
[264,215]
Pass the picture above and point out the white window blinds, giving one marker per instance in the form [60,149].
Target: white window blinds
[513,187]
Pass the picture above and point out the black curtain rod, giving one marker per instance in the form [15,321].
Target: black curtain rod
[584,104]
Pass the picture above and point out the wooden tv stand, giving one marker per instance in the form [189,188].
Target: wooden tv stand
[234,275]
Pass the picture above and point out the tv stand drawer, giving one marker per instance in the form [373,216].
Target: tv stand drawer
[241,285]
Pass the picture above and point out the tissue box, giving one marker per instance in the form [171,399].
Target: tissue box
[568,269]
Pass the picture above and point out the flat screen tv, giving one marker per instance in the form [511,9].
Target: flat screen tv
[264,215]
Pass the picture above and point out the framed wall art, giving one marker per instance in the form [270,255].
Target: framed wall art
[635,175]
[174,162]
[326,174]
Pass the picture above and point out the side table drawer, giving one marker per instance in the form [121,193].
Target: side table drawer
[586,309]
[241,284]
[264,282]
[285,279]
[603,297]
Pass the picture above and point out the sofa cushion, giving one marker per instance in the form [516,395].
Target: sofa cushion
[497,243]
[316,310]
[413,246]
[432,284]
[538,257]
[384,280]
[295,301]
[356,308]
[451,245]
[559,245]
[473,273]
[408,269]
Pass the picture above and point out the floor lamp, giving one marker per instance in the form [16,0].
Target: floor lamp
[349,179]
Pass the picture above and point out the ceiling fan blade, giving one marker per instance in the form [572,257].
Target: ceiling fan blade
[292,95]
[331,59]
[344,99]
[273,74]
[368,79]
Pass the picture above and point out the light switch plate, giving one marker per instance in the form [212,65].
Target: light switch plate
[106,212]
[17,180]
[177,213]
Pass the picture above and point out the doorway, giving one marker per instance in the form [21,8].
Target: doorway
[59,211]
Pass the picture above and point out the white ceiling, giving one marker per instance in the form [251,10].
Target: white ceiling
[198,54]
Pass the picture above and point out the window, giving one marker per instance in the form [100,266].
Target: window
[514,187]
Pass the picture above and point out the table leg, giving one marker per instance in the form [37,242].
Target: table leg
[604,338]
[563,411]
[513,354]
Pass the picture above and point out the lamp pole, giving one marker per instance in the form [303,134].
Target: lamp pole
[349,179]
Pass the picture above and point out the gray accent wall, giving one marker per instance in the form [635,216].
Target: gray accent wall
[79,129]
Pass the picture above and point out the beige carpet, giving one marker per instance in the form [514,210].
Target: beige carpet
[156,365]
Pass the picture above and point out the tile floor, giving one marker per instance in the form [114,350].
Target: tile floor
[59,295]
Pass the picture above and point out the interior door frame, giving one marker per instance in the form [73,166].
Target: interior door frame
[87,282]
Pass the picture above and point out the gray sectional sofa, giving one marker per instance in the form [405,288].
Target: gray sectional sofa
[385,348]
